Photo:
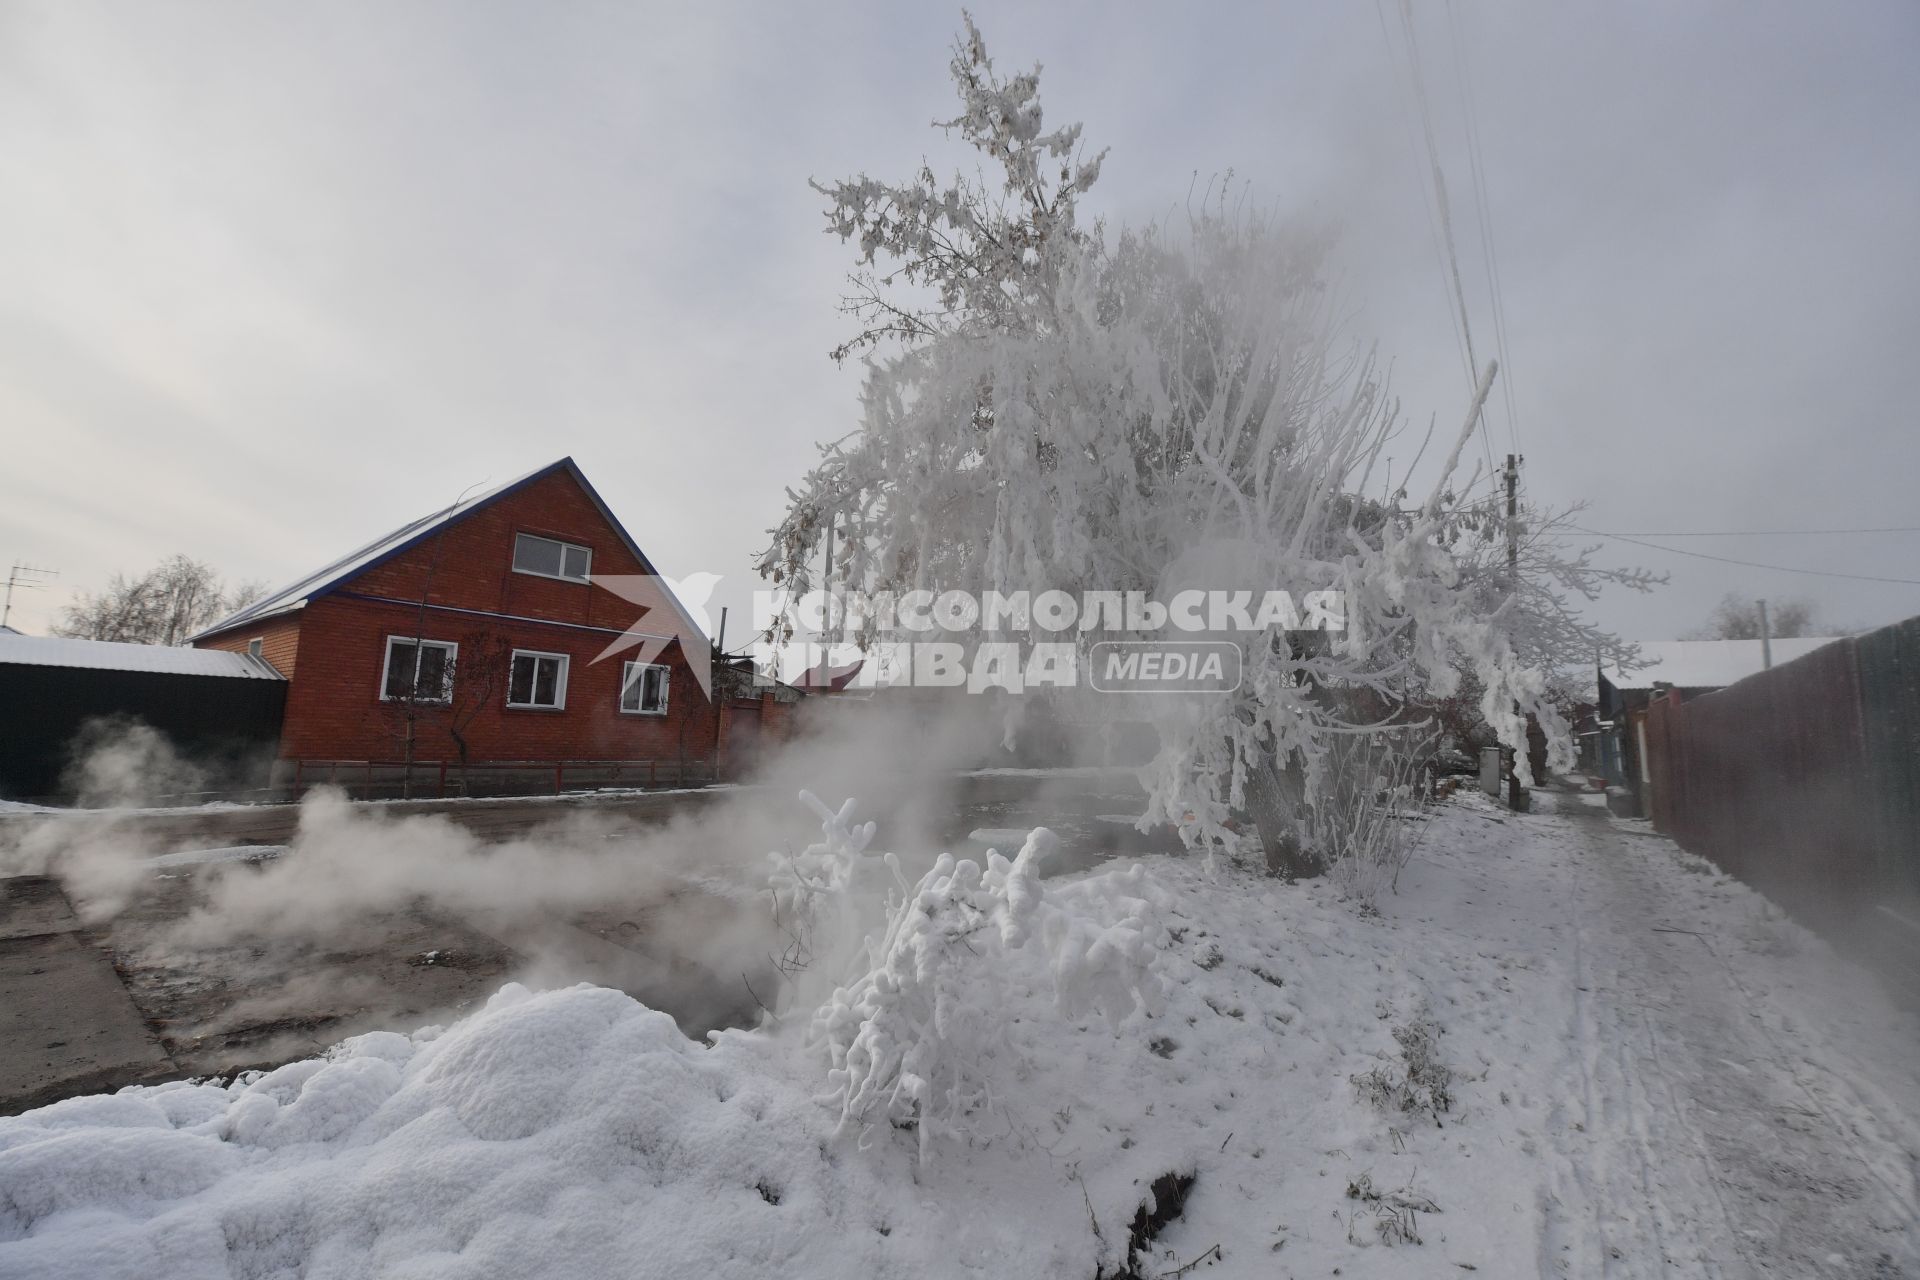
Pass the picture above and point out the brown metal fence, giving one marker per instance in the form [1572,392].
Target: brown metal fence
[1803,780]
[1890,691]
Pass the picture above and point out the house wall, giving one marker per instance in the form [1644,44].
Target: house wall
[459,585]
[279,637]
[335,712]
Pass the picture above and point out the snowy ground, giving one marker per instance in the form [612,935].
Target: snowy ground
[1562,1049]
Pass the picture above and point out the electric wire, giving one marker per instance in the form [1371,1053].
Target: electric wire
[1483,205]
[1760,533]
[1750,564]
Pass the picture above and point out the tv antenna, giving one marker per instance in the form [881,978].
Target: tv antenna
[22,576]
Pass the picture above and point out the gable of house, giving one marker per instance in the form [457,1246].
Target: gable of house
[451,558]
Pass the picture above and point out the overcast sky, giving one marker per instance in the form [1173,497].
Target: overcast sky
[281,276]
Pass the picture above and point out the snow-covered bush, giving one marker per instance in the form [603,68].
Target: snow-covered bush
[919,1036]
[1365,814]
[823,896]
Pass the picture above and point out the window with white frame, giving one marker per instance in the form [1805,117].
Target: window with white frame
[418,670]
[643,689]
[537,680]
[551,558]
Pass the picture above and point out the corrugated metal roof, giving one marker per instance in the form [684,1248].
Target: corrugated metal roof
[1706,664]
[107,655]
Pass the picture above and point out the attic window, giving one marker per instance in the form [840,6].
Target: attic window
[550,558]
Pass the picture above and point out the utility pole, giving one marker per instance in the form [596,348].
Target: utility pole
[1516,799]
[1766,639]
[1512,475]
[22,575]
[826,583]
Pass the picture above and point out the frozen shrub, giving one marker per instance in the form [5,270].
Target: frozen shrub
[1424,1085]
[914,1040]
[1364,814]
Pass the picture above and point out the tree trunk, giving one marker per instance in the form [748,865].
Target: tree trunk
[1274,799]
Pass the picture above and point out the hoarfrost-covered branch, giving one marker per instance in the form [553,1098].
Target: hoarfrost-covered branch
[917,1037]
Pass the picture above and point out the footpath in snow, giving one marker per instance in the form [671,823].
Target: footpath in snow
[1563,1048]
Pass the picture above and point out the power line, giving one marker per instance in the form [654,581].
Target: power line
[1402,75]
[1440,204]
[1750,564]
[1483,205]
[1757,533]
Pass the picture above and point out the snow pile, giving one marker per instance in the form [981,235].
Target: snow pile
[1530,1005]
[576,1126]
[578,1133]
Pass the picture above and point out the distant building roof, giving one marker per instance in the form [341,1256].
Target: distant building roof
[1706,664]
[825,679]
[297,594]
[107,655]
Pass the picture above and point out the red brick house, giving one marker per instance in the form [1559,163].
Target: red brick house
[482,627]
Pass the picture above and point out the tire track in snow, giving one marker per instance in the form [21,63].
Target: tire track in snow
[1614,1213]
[1702,1156]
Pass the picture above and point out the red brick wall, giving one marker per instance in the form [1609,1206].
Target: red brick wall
[469,565]
[334,709]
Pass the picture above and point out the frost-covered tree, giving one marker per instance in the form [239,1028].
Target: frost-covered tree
[164,605]
[1737,617]
[1541,596]
[1043,411]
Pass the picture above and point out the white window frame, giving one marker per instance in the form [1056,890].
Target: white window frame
[628,672]
[257,649]
[419,643]
[559,684]
[565,546]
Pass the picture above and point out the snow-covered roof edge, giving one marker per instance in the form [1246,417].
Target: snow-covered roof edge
[304,591]
[1707,664]
[113,655]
